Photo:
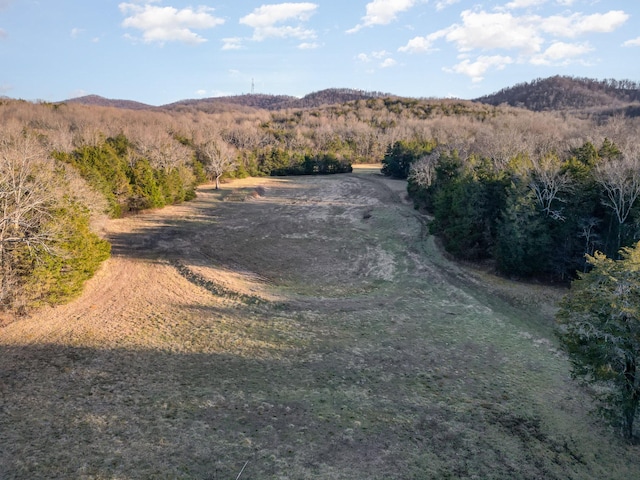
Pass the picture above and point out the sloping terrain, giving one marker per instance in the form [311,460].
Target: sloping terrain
[295,328]
[606,97]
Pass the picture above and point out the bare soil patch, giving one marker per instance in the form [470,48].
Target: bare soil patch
[300,327]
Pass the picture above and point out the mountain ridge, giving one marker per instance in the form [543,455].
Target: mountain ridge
[556,93]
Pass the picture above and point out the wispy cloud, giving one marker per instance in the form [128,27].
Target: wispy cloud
[232,43]
[524,4]
[634,42]
[441,5]
[381,57]
[560,53]
[382,12]
[282,20]
[168,24]
[309,46]
[577,24]
[388,63]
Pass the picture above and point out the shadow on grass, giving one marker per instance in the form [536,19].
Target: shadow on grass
[70,412]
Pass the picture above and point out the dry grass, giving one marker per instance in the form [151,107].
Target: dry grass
[308,329]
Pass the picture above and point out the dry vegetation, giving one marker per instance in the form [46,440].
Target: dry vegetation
[299,328]
[303,327]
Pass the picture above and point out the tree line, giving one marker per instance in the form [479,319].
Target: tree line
[569,215]
[536,213]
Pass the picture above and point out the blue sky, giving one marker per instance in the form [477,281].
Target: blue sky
[160,51]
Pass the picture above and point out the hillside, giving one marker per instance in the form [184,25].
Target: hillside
[570,93]
[331,96]
[558,93]
[247,102]
[98,101]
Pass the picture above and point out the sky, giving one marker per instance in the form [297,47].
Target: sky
[162,51]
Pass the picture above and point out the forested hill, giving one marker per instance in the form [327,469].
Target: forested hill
[331,96]
[98,101]
[571,93]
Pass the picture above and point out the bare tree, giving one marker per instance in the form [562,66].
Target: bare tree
[162,150]
[620,180]
[27,196]
[548,182]
[423,171]
[219,158]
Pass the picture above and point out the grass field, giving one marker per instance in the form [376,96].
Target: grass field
[293,328]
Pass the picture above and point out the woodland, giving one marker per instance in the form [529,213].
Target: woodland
[530,192]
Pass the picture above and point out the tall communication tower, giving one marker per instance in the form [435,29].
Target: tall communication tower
[253,87]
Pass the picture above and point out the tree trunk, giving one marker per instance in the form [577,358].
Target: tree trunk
[631,406]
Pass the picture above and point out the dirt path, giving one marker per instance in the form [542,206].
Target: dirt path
[307,327]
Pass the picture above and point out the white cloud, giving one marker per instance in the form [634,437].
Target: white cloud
[388,62]
[477,69]
[266,21]
[534,38]
[421,44]
[382,12]
[634,42]
[524,4]
[75,32]
[514,4]
[486,31]
[167,24]
[308,46]
[201,92]
[380,54]
[560,53]
[382,58]
[577,24]
[445,3]
[232,43]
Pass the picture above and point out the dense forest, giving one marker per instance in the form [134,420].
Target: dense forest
[531,191]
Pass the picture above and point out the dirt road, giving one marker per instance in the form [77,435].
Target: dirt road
[300,328]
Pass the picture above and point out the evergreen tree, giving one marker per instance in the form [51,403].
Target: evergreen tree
[599,327]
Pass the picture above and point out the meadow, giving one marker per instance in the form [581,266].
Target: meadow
[289,328]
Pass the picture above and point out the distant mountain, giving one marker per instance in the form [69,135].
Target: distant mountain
[334,96]
[329,96]
[216,104]
[570,93]
[106,102]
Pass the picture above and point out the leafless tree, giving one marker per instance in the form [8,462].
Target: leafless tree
[161,149]
[27,195]
[219,158]
[423,171]
[548,183]
[620,180]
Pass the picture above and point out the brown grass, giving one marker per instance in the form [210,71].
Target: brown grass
[310,330]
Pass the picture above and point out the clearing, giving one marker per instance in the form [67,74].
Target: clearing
[293,328]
